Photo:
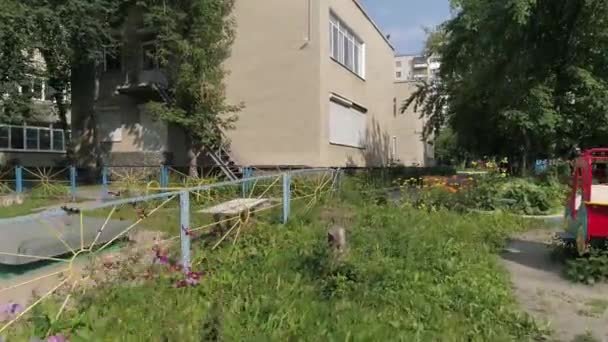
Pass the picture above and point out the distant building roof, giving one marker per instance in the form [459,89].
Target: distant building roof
[369,18]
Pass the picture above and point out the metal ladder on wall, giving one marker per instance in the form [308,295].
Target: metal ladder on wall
[222,159]
[220,155]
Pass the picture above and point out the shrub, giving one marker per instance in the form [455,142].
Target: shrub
[589,269]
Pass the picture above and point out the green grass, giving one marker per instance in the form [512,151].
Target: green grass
[597,307]
[408,275]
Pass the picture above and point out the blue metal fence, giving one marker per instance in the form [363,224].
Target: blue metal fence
[182,214]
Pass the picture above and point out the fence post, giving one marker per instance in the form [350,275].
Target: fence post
[104,182]
[73,182]
[286,196]
[164,176]
[184,211]
[337,180]
[247,173]
[19,179]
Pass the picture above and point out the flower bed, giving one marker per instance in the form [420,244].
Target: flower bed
[494,191]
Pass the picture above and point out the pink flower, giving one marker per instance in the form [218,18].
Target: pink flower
[57,338]
[192,279]
[9,311]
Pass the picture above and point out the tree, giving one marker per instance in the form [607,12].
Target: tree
[69,33]
[522,78]
[15,61]
[194,38]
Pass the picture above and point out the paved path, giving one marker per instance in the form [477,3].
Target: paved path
[570,309]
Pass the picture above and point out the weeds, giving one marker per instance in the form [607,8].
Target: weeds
[408,275]
[588,269]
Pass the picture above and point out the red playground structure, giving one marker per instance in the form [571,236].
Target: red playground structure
[587,208]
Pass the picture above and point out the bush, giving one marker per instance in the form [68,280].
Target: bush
[489,192]
[589,269]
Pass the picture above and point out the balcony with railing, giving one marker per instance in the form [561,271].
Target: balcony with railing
[420,62]
[14,138]
[139,75]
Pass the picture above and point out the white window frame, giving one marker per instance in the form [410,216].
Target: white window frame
[32,82]
[24,128]
[43,92]
[348,39]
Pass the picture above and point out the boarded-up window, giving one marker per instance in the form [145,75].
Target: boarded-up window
[347,123]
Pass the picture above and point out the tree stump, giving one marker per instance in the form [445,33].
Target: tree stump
[336,238]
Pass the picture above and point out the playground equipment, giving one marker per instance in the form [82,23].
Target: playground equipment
[587,207]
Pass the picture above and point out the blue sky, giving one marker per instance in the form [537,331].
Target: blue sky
[404,19]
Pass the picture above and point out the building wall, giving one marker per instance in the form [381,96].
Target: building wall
[410,145]
[135,139]
[275,71]
[281,70]
[32,159]
[376,93]
[403,67]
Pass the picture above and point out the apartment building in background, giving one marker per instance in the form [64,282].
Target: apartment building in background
[416,67]
[410,69]
[39,141]
[316,78]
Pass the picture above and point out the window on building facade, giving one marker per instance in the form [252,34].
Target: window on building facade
[49,92]
[32,138]
[26,87]
[5,140]
[38,89]
[34,87]
[17,141]
[58,140]
[45,139]
[347,123]
[399,74]
[345,47]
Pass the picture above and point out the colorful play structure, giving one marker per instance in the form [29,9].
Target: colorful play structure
[587,206]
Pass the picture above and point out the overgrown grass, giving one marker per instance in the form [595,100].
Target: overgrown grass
[407,276]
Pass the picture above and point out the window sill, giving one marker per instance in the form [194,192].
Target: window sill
[348,146]
[16,150]
[347,69]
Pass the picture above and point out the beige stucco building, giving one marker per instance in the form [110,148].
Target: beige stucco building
[316,77]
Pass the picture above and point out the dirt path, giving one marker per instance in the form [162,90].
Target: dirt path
[23,284]
[571,310]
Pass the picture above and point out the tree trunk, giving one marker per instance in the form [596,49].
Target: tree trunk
[525,155]
[88,151]
[63,122]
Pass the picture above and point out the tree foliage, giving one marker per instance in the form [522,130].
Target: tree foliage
[522,78]
[15,48]
[45,39]
[194,38]
[69,32]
